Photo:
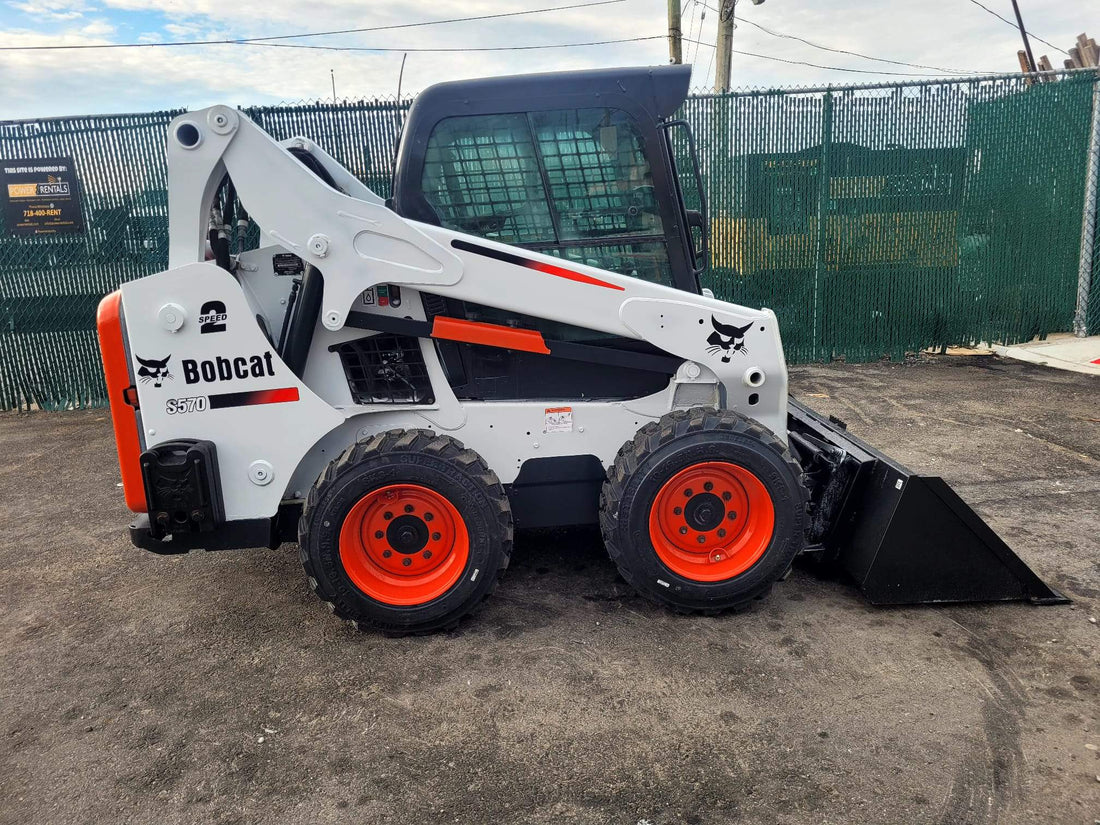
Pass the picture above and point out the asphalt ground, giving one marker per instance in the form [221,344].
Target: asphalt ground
[215,688]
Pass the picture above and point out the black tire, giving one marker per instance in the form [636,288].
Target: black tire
[660,450]
[407,457]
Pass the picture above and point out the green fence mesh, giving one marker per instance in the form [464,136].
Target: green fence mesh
[882,220]
[875,221]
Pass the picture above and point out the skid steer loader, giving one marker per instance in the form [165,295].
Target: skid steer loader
[517,338]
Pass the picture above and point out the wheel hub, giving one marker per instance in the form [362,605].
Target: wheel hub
[404,544]
[407,534]
[704,511]
[711,521]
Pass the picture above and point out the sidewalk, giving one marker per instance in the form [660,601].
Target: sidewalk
[1062,351]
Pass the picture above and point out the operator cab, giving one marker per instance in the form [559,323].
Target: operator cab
[580,165]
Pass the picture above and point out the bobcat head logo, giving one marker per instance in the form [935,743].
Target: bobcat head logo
[155,371]
[727,339]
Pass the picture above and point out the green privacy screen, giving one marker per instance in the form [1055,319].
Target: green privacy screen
[879,221]
[875,221]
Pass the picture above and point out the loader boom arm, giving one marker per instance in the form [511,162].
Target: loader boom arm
[358,243]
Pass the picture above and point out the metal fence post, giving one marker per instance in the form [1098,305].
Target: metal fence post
[1088,221]
[822,218]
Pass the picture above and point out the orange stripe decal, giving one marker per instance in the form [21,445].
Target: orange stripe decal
[569,274]
[528,263]
[116,372]
[489,335]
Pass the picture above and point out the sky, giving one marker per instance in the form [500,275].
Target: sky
[955,35]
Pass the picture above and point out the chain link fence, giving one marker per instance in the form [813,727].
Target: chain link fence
[875,220]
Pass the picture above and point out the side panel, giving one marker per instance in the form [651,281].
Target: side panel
[116,371]
[220,379]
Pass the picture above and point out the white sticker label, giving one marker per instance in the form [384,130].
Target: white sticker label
[368,296]
[558,420]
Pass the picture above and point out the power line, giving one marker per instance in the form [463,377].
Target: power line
[773,33]
[857,54]
[589,4]
[829,68]
[1015,26]
[713,46]
[691,26]
[453,49]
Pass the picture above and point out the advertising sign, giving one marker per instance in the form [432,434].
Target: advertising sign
[40,196]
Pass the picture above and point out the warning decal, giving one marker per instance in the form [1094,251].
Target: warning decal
[558,420]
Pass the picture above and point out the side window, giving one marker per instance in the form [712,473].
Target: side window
[481,177]
[574,183]
[599,178]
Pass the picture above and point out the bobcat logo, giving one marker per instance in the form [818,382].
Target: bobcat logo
[727,339]
[155,371]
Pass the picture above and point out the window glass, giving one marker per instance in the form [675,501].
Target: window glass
[648,261]
[574,183]
[481,177]
[599,179]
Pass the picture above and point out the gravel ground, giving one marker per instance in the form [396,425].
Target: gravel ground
[215,688]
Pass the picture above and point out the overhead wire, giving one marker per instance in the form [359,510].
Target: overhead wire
[691,26]
[766,30]
[1015,26]
[823,47]
[820,66]
[450,49]
[713,46]
[242,40]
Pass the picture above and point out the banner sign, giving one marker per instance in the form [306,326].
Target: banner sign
[40,196]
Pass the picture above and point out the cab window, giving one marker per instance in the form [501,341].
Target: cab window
[572,183]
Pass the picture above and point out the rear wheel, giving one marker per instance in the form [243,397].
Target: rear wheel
[406,532]
[703,510]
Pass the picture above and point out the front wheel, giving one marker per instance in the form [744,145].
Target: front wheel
[703,510]
[406,532]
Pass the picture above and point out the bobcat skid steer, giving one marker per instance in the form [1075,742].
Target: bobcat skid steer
[517,338]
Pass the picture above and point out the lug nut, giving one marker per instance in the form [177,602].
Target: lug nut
[378,534]
[726,496]
[428,517]
[427,554]
[387,553]
[409,508]
[406,561]
[387,515]
[688,493]
[721,532]
[708,486]
[701,539]
[677,510]
[436,536]
[732,516]
[683,531]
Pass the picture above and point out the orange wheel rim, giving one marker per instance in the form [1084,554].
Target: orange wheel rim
[711,521]
[404,544]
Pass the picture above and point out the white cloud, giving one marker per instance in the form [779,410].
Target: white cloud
[97,29]
[951,33]
[52,9]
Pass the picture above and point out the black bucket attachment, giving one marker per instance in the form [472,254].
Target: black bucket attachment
[903,537]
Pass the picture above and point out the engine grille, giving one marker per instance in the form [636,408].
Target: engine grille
[386,369]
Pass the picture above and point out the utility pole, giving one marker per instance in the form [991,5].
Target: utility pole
[724,45]
[1023,33]
[675,34]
